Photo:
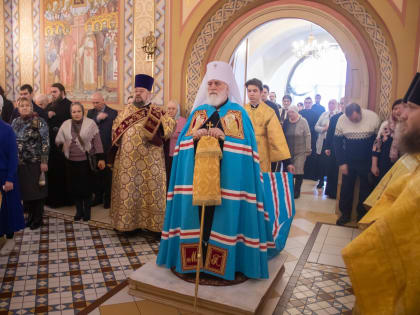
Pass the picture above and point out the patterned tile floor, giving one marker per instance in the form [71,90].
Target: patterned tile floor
[65,266]
[320,290]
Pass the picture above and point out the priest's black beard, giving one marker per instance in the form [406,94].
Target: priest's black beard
[58,100]
[410,141]
[138,104]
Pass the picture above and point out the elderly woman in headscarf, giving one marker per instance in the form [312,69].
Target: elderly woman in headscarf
[80,140]
[33,147]
[385,148]
[173,111]
[298,137]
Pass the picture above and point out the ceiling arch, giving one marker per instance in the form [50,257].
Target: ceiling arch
[352,15]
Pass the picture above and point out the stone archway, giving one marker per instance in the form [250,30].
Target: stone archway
[358,78]
[360,36]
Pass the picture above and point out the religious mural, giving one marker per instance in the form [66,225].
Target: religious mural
[81,47]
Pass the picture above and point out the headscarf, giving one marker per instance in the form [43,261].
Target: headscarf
[394,152]
[222,71]
[76,125]
[386,131]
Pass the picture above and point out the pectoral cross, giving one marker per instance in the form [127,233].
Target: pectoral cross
[209,125]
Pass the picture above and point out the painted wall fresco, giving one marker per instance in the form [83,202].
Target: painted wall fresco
[81,47]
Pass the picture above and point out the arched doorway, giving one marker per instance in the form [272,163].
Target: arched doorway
[294,57]
[370,63]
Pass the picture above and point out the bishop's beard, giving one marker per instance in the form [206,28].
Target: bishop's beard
[216,99]
[409,141]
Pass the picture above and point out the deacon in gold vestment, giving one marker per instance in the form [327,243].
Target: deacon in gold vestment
[272,145]
[378,205]
[384,261]
[138,196]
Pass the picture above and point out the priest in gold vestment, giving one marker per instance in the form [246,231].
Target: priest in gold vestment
[138,196]
[378,205]
[384,261]
[272,145]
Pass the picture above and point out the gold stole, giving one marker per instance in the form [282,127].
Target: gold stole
[127,123]
[206,191]
[206,181]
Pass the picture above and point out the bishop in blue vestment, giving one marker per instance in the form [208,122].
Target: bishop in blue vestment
[240,235]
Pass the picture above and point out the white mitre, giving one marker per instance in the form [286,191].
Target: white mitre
[222,71]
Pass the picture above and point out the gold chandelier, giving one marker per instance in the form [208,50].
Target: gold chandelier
[310,48]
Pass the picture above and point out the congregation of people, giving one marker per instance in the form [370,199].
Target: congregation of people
[53,153]
[68,157]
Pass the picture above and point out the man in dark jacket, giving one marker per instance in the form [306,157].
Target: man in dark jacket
[317,107]
[332,169]
[27,91]
[104,117]
[311,116]
[7,108]
[58,111]
[264,98]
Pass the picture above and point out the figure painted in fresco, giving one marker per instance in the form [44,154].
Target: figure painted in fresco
[100,39]
[81,47]
[67,53]
[88,55]
[53,61]
[110,60]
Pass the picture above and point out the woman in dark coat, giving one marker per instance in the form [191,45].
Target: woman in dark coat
[78,137]
[33,147]
[11,211]
[385,149]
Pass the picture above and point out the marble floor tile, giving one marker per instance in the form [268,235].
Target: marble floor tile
[333,260]
[336,241]
[313,256]
[304,224]
[296,231]
[340,232]
[331,249]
